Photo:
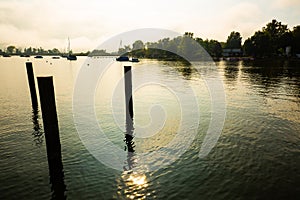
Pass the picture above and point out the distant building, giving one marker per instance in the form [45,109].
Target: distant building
[232,52]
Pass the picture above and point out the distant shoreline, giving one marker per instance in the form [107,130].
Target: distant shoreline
[173,59]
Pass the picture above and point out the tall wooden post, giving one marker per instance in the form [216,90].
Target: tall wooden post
[30,76]
[128,93]
[47,99]
[128,107]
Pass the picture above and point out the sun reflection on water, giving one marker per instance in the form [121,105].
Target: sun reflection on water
[134,185]
[138,180]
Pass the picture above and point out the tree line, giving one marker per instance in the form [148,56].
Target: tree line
[274,40]
[13,50]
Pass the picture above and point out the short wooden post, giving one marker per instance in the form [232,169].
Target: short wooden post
[47,99]
[129,109]
[30,76]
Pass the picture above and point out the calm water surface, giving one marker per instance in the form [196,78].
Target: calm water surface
[257,155]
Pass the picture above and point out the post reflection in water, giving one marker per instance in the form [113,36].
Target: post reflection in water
[133,183]
[37,132]
[129,145]
[58,186]
[56,173]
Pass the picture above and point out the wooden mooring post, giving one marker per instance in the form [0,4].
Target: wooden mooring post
[128,93]
[129,118]
[129,109]
[31,82]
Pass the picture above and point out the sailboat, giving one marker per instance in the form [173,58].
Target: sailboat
[70,56]
[122,58]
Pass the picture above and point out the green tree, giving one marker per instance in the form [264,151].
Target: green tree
[215,48]
[18,51]
[275,29]
[188,47]
[248,47]
[271,41]
[296,39]
[137,45]
[28,51]
[278,34]
[10,49]
[55,51]
[189,34]
[40,50]
[173,44]
[234,41]
[259,45]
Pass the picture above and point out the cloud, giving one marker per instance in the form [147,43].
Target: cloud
[46,23]
[243,17]
[282,4]
[49,23]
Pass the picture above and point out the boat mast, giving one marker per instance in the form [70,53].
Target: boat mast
[120,47]
[69,46]
[120,44]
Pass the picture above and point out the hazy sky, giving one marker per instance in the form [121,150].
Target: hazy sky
[48,23]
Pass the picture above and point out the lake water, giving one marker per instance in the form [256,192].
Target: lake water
[257,155]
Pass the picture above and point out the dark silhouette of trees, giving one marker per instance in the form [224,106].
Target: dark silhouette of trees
[259,45]
[234,41]
[98,52]
[279,36]
[271,41]
[186,46]
[213,47]
[296,40]
[189,34]
[10,49]
[54,51]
